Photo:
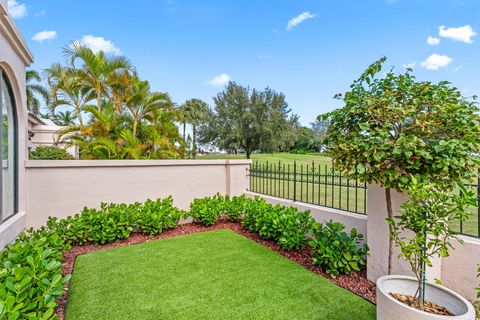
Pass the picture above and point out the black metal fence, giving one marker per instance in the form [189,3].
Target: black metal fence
[310,183]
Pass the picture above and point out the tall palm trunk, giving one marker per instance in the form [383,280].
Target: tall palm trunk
[194,147]
[135,125]
[184,128]
[99,100]
[80,120]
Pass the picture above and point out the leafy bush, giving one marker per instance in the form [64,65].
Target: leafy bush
[286,225]
[30,276]
[234,207]
[116,221]
[50,153]
[207,210]
[156,215]
[337,251]
[108,224]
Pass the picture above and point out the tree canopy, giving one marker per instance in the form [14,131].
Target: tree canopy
[393,128]
[250,120]
[110,113]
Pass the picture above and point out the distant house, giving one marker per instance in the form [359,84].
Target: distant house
[45,132]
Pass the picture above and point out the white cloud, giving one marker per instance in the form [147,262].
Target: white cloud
[463,34]
[219,80]
[299,19]
[100,44]
[409,65]
[41,13]
[44,35]
[16,9]
[436,61]
[433,41]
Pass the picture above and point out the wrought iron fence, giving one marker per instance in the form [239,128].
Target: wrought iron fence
[324,186]
[310,183]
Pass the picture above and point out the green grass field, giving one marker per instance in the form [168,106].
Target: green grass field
[283,157]
[209,275]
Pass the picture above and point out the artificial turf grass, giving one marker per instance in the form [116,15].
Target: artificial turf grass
[208,275]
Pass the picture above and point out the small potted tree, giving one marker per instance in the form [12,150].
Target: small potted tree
[422,231]
[393,127]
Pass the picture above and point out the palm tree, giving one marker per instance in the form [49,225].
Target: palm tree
[140,101]
[194,112]
[33,104]
[66,91]
[97,70]
[63,118]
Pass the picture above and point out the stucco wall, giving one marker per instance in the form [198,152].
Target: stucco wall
[62,188]
[322,214]
[459,270]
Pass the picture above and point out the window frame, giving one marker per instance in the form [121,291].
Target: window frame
[5,79]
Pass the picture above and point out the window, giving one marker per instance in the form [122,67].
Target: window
[8,149]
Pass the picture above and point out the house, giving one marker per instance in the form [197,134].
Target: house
[44,132]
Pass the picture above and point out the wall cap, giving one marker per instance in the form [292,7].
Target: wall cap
[129,163]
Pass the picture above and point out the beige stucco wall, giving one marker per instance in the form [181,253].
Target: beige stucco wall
[459,270]
[62,188]
[14,58]
[322,214]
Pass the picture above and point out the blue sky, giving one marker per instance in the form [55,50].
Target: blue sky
[307,49]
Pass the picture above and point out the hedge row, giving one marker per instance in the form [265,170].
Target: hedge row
[30,268]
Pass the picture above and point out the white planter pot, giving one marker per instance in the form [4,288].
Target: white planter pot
[388,308]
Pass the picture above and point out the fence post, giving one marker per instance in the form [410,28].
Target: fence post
[294,180]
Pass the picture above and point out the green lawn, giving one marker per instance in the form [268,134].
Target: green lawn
[283,157]
[209,275]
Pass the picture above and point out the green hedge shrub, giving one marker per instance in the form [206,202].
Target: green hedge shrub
[30,275]
[50,153]
[114,222]
[155,216]
[287,226]
[207,210]
[337,251]
[234,207]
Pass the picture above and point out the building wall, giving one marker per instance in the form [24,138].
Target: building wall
[459,270]
[63,188]
[14,58]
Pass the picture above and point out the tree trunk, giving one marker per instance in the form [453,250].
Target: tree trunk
[99,100]
[194,141]
[184,128]
[248,153]
[388,197]
[80,120]
[135,124]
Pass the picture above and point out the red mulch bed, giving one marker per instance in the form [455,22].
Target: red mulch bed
[356,282]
